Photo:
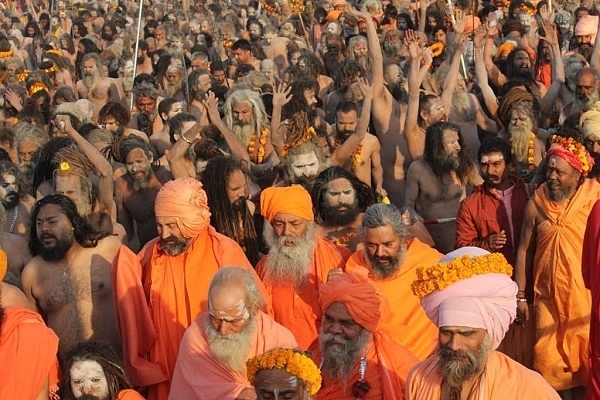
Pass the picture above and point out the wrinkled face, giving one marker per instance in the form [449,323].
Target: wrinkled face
[278,384]
[89,67]
[242,112]
[338,321]
[561,179]
[174,77]
[451,144]
[26,150]
[305,165]
[177,43]
[290,226]
[518,119]
[585,85]
[592,144]
[227,309]
[9,191]
[87,377]
[146,105]
[494,170]
[69,185]
[237,186]
[525,20]
[138,164]
[254,31]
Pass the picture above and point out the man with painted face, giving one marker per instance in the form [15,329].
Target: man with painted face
[215,347]
[298,261]
[165,287]
[15,200]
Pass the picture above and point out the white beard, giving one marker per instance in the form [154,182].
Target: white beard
[519,140]
[233,349]
[290,264]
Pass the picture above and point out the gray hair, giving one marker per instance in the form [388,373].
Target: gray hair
[231,276]
[261,118]
[25,131]
[379,214]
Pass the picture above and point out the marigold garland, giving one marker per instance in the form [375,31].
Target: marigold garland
[262,140]
[22,77]
[576,148]
[356,160]
[308,134]
[292,361]
[531,152]
[267,6]
[528,9]
[36,87]
[6,54]
[344,239]
[436,49]
[440,276]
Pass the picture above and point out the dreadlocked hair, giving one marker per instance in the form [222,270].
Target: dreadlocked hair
[232,220]
[45,167]
[513,97]
[104,355]
[83,232]
[72,161]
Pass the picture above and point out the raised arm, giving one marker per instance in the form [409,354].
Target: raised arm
[489,97]
[497,77]
[176,155]
[236,147]
[558,68]
[415,138]
[343,152]
[281,96]
[452,78]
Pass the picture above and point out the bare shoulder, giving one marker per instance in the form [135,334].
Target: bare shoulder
[163,175]
[13,296]
[418,166]
[28,201]
[110,244]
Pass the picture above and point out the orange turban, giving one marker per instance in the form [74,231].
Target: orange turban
[364,303]
[293,200]
[3,264]
[184,200]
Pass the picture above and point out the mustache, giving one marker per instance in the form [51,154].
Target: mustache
[47,236]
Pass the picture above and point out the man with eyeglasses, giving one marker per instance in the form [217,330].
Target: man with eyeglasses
[156,307]
[212,358]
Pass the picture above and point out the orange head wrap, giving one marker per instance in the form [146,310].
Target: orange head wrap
[364,303]
[293,200]
[3,264]
[185,200]
[572,152]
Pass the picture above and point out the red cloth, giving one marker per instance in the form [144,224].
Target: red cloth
[572,159]
[388,364]
[407,323]
[591,278]
[502,379]
[200,375]
[28,355]
[299,309]
[158,296]
[482,213]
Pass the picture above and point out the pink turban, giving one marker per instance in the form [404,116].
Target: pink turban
[487,301]
[184,200]
[587,25]
[572,152]
[293,200]
[364,303]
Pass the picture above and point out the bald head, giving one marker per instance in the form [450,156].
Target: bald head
[231,286]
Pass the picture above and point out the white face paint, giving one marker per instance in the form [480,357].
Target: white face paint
[236,312]
[492,158]
[305,165]
[87,377]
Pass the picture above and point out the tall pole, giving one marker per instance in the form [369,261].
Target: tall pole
[135,55]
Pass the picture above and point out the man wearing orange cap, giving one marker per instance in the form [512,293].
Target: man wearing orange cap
[550,251]
[390,257]
[298,261]
[358,360]
[164,288]
[473,314]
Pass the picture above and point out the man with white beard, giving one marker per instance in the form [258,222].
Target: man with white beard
[587,92]
[95,87]
[175,77]
[212,356]
[298,261]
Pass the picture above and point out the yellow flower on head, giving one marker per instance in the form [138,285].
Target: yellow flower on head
[64,166]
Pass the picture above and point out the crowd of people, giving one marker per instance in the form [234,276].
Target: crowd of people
[328,199]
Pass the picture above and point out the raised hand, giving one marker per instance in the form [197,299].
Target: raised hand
[365,87]
[461,20]
[547,15]
[281,95]
[411,40]
[480,36]
[551,36]
[212,106]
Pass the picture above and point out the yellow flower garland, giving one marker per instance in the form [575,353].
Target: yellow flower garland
[440,276]
[576,148]
[308,134]
[6,54]
[291,361]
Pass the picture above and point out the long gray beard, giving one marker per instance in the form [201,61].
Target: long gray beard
[338,362]
[290,264]
[244,132]
[171,90]
[90,81]
[456,372]
[232,349]
[584,105]
[519,140]
[463,105]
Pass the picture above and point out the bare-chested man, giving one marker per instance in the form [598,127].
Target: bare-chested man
[436,184]
[144,62]
[17,253]
[15,200]
[146,99]
[68,281]
[136,191]
[95,87]
[388,119]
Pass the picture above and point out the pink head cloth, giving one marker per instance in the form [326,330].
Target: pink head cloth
[486,301]
[184,200]
[572,159]
[586,26]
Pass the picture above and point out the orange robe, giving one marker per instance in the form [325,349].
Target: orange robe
[388,364]
[200,375]
[158,296]
[406,323]
[299,309]
[561,301]
[27,355]
[129,394]
[502,379]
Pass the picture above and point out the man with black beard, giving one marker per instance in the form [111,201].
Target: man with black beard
[473,309]
[136,190]
[340,200]
[15,200]
[390,257]
[298,261]
[144,60]
[68,281]
[214,349]
[351,351]
[585,34]
[146,98]
[437,183]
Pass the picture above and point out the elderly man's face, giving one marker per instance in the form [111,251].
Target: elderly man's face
[304,168]
[385,250]
[289,226]
[26,150]
[242,113]
[338,321]
[146,105]
[227,310]
[278,384]
[139,167]
[70,186]
[172,240]
[561,179]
